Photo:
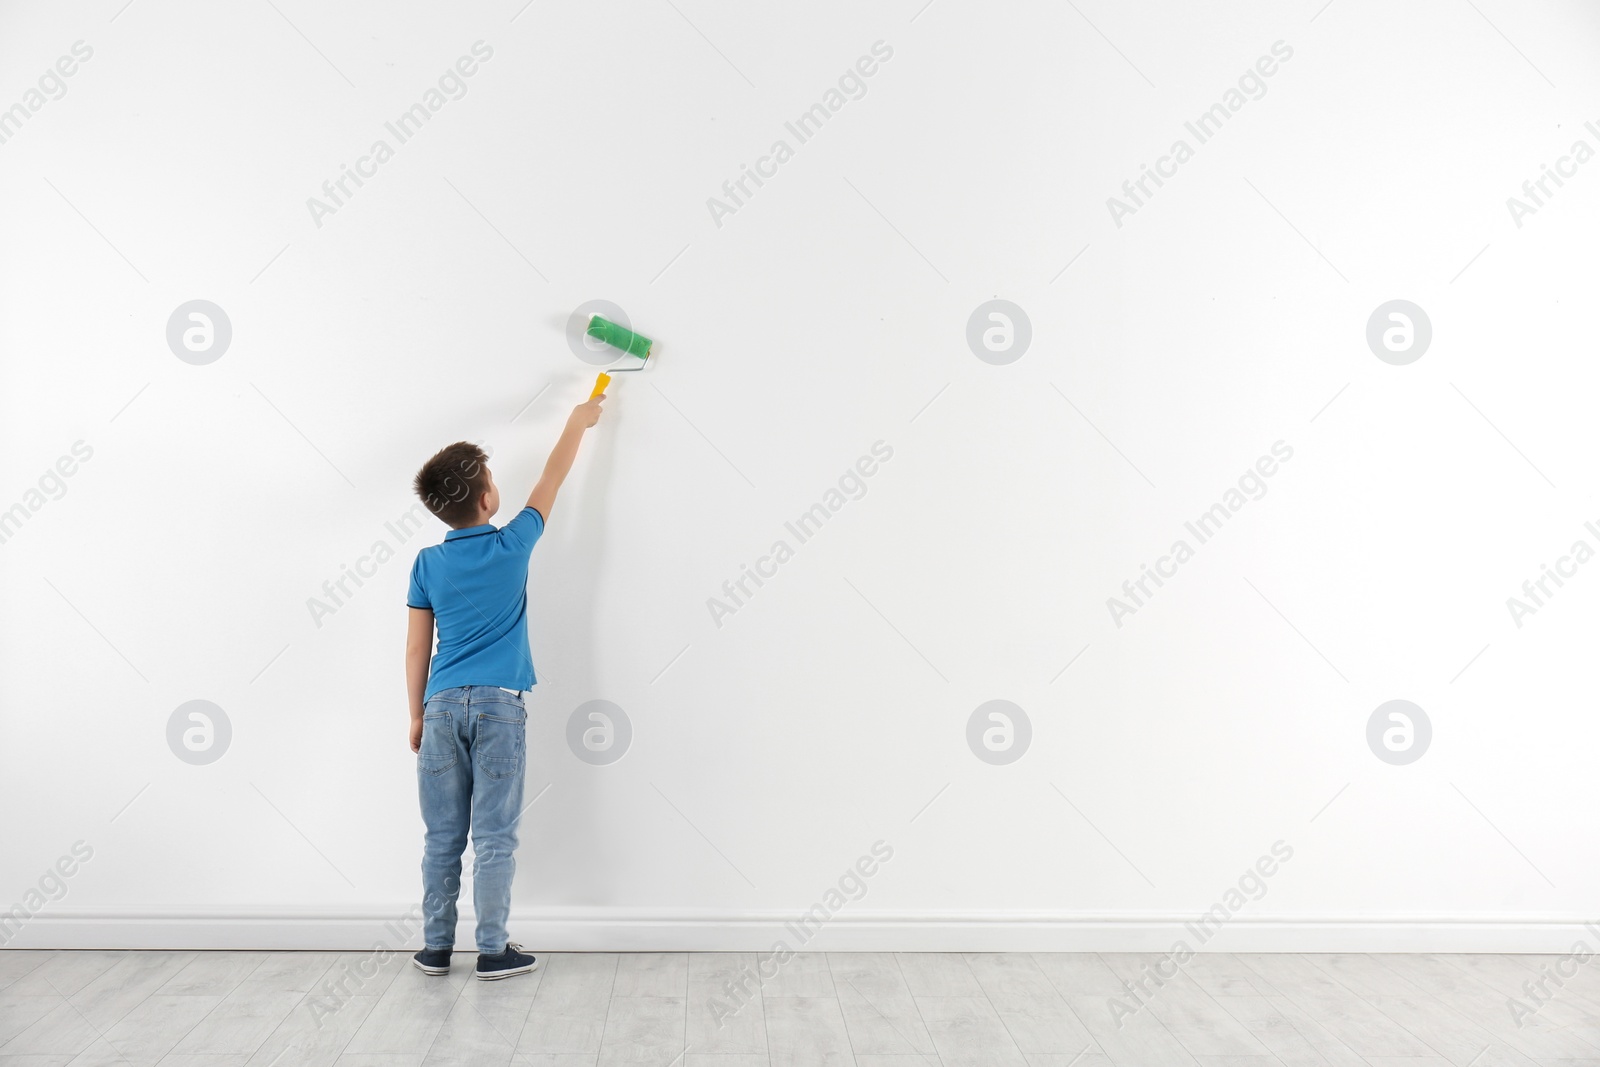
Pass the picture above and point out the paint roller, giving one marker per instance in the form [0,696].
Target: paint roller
[634,346]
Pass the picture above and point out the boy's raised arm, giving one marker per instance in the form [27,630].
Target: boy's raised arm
[585,415]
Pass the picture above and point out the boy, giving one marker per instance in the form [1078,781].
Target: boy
[467,715]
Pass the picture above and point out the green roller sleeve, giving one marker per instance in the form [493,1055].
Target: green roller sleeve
[610,333]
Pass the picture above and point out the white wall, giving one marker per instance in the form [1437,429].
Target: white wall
[1228,313]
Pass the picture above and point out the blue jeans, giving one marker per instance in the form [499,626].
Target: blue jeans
[469,776]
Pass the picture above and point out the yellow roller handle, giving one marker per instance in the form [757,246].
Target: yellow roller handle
[600,384]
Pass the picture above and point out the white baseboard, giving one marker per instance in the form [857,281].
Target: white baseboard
[623,930]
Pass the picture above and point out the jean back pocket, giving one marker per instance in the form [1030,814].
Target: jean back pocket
[500,744]
[438,751]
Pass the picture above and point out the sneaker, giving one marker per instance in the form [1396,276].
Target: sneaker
[512,961]
[433,961]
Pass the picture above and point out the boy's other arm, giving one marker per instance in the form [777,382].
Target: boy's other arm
[543,497]
[419,654]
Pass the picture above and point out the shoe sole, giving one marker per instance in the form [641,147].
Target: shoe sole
[495,976]
[425,969]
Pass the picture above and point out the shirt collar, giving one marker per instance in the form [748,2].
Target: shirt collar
[469,531]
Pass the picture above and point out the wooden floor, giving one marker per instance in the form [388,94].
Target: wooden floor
[196,1009]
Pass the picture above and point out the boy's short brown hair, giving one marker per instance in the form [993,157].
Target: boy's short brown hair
[453,481]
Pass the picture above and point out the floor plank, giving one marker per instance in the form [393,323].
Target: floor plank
[652,974]
[409,1015]
[127,984]
[642,1030]
[64,973]
[968,1032]
[803,974]
[880,1014]
[14,963]
[155,1026]
[1136,1040]
[938,974]
[807,1032]
[725,1013]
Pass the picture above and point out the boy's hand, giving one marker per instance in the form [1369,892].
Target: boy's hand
[587,413]
[416,735]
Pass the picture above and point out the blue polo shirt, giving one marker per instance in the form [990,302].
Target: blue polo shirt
[476,584]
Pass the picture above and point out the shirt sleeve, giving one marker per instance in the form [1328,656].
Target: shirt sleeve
[522,532]
[417,596]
